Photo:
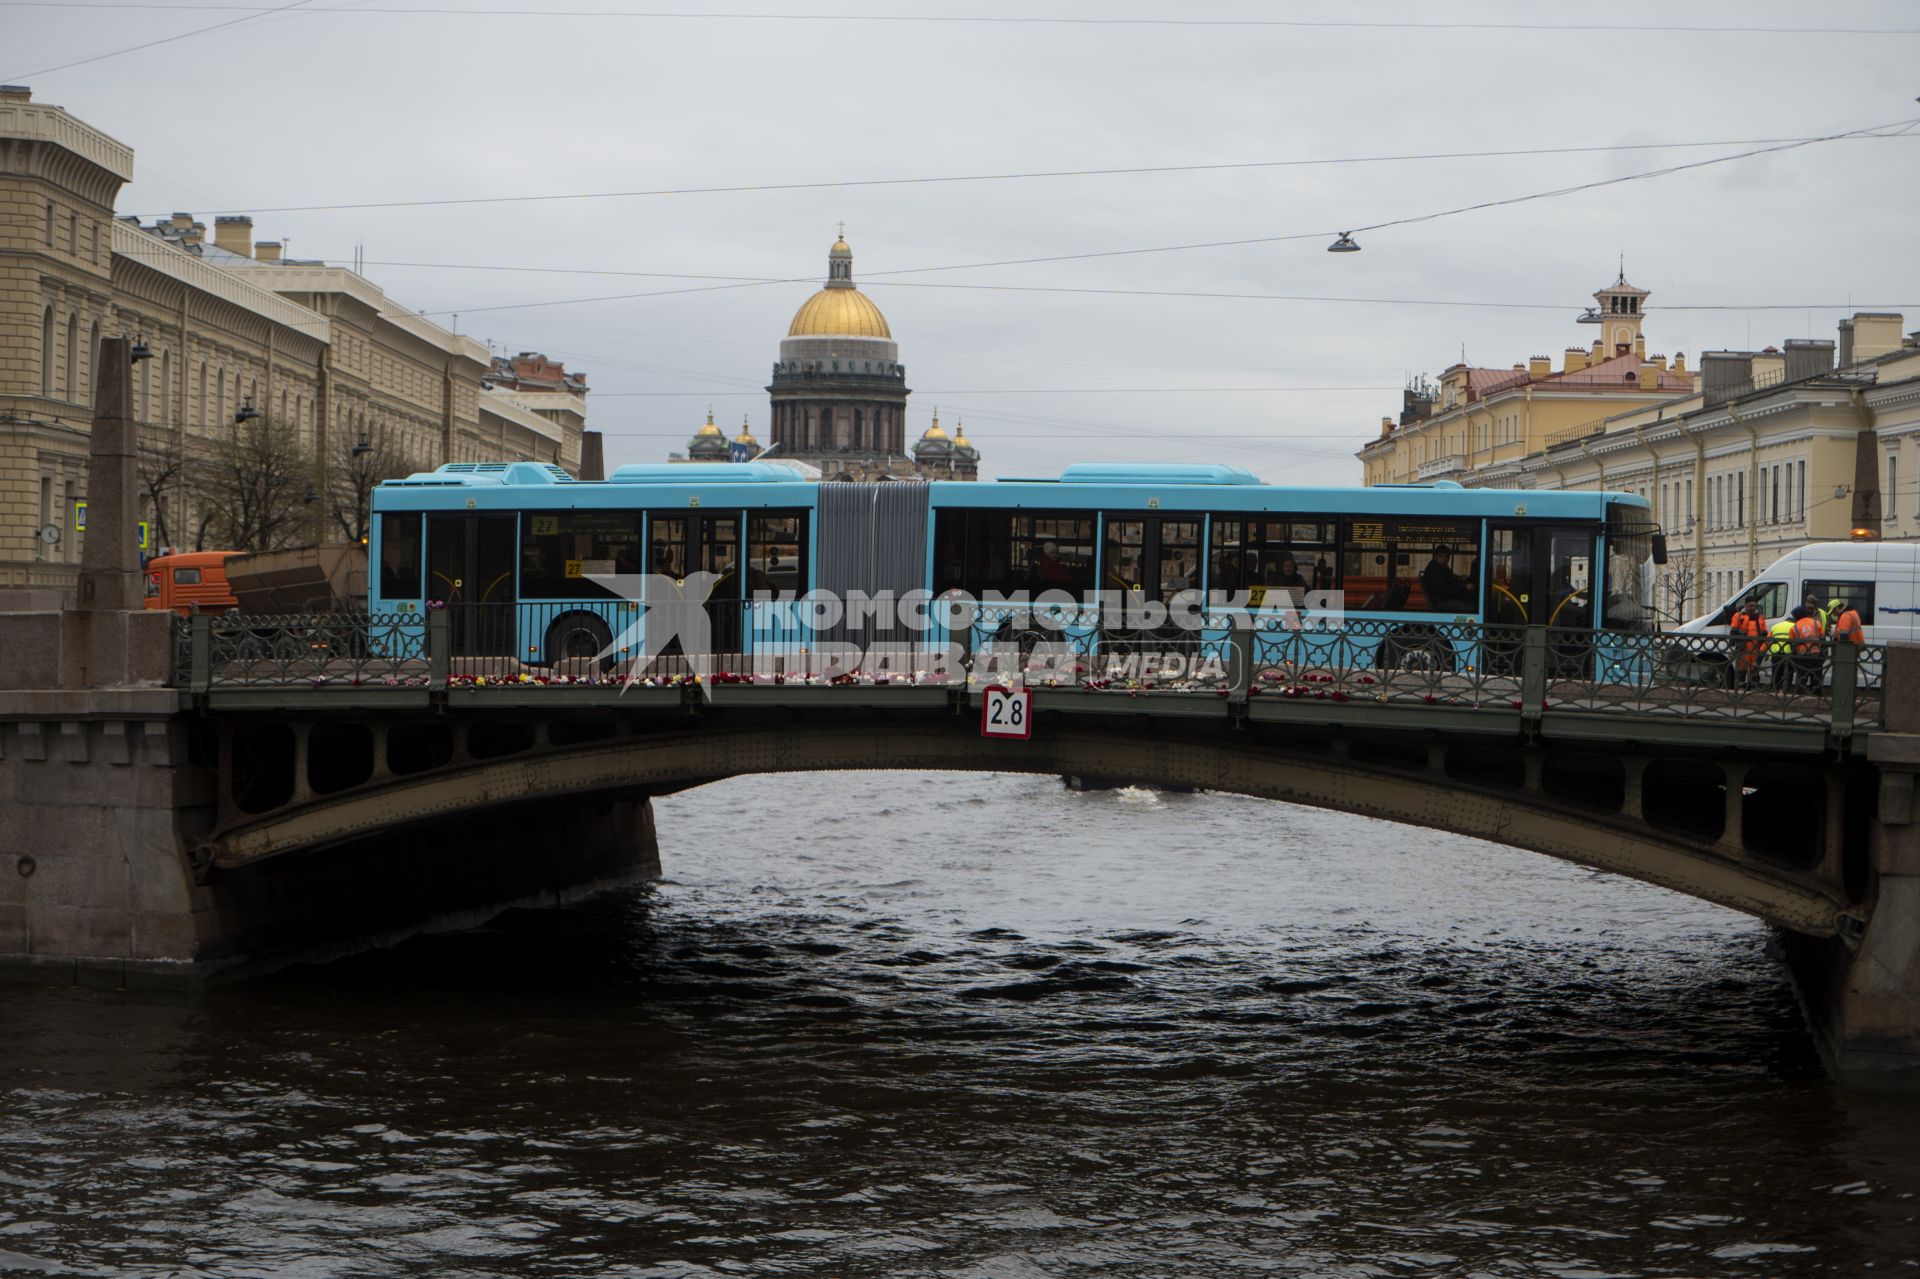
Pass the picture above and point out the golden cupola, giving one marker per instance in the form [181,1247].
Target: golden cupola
[839,309]
[745,438]
[933,441]
[709,443]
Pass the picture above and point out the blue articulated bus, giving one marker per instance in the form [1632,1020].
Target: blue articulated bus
[514,550]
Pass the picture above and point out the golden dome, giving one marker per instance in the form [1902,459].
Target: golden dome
[934,432]
[709,429]
[841,312]
[746,435]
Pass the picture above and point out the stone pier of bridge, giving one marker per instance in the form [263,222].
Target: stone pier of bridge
[106,788]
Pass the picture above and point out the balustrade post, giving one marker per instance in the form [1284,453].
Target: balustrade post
[439,648]
[1533,674]
[1240,652]
[1846,677]
[200,653]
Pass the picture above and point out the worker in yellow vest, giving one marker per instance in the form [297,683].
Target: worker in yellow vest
[1780,650]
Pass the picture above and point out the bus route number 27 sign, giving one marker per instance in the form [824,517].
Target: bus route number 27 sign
[1006,712]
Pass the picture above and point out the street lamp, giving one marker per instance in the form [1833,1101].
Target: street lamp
[247,412]
[1345,244]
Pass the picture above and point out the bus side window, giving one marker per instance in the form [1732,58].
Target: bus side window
[400,556]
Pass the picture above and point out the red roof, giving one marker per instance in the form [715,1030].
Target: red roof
[1621,373]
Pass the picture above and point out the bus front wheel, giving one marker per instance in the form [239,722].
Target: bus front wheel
[1414,650]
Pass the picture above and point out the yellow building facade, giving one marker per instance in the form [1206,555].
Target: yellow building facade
[319,352]
[1743,459]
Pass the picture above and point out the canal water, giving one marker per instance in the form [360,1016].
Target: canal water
[945,1025]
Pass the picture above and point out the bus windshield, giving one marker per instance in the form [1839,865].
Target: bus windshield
[1629,598]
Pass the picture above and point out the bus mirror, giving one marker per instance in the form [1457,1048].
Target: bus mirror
[1659,548]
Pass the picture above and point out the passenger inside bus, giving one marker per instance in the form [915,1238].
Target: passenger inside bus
[1446,592]
[1285,575]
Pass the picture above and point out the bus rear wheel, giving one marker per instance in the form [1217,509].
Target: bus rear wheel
[579,637]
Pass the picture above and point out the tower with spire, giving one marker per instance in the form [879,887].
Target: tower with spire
[1621,308]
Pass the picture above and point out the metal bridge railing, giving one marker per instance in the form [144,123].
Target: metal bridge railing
[1239,655]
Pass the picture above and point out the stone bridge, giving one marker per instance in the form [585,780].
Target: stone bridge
[181,800]
[270,798]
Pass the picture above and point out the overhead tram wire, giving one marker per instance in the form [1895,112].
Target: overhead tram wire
[1201,294]
[1477,206]
[1145,293]
[18,76]
[662,15]
[940,179]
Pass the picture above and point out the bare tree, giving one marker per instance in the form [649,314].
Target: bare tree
[163,473]
[1681,580]
[253,489]
[359,466]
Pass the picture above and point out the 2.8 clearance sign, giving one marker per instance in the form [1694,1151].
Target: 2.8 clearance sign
[1006,712]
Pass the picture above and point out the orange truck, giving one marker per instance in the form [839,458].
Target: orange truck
[190,582]
[309,579]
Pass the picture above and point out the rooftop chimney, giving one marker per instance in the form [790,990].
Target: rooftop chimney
[1386,427]
[1649,377]
[1727,375]
[15,93]
[1808,357]
[1875,333]
[1539,366]
[1679,361]
[181,221]
[234,234]
[1576,359]
[267,251]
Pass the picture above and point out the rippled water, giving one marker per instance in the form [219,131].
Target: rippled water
[920,1024]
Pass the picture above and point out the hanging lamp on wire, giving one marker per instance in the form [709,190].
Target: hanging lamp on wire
[1345,244]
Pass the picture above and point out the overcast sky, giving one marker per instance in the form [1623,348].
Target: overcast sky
[357,102]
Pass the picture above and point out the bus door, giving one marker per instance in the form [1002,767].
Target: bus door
[470,568]
[719,545]
[680,546]
[1539,575]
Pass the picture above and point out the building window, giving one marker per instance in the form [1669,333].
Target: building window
[166,387]
[73,234]
[1740,499]
[49,224]
[1688,513]
[73,357]
[46,356]
[1890,506]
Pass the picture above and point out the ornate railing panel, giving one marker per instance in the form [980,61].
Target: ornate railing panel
[1538,671]
[312,649]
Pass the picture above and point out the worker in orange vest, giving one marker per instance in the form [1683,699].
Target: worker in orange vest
[1809,637]
[1750,622]
[1846,626]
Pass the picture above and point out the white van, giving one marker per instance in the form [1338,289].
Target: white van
[1880,579]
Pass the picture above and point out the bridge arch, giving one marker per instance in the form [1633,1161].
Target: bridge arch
[1694,825]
